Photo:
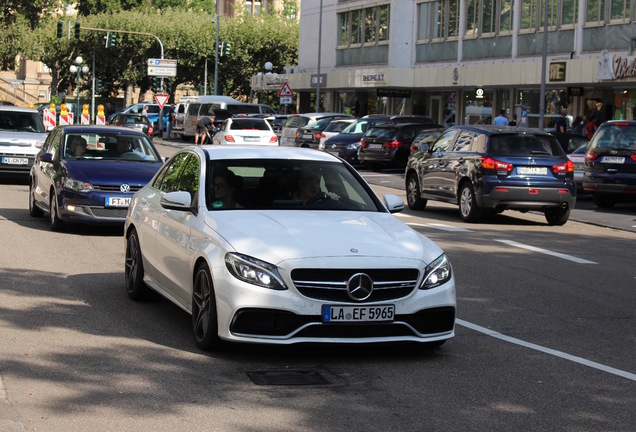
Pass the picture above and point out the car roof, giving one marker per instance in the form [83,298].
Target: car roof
[17,109]
[620,123]
[258,152]
[99,129]
[497,130]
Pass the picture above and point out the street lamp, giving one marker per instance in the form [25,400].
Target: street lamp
[216,50]
[78,70]
[268,67]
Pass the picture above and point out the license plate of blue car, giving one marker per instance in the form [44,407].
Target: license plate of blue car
[532,170]
[117,201]
[338,314]
[613,159]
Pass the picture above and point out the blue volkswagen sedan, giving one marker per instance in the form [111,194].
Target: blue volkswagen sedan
[88,174]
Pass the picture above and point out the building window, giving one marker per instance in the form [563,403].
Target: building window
[595,11]
[472,18]
[368,25]
[253,7]
[569,12]
[620,10]
[438,19]
[533,13]
[506,16]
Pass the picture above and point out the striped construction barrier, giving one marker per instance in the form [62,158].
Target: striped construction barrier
[49,119]
[66,119]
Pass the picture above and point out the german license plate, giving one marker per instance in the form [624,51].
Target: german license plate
[532,170]
[307,136]
[117,201]
[613,159]
[375,146]
[252,139]
[15,161]
[337,314]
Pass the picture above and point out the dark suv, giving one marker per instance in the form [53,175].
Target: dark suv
[389,144]
[610,164]
[492,168]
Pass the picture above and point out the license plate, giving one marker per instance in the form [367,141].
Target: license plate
[613,159]
[579,167]
[375,146]
[117,201]
[15,161]
[307,136]
[337,314]
[252,139]
[532,170]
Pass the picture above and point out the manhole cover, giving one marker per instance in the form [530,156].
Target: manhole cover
[287,378]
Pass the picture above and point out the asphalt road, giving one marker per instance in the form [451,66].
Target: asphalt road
[545,341]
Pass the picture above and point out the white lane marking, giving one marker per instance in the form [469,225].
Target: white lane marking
[438,226]
[547,252]
[560,354]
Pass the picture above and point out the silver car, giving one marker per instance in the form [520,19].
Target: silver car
[22,134]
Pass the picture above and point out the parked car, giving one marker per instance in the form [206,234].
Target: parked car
[346,143]
[493,168]
[309,136]
[22,133]
[578,159]
[152,112]
[88,174]
[196,111]
[276,269]
[570,141]
[134,121]
[246,130]
[277,122]
[389,144]
[610,164]
[334,128]
[178,118]
[295,121]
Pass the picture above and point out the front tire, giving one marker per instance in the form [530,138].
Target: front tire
[413,197]
[468,208]
[557,216]
[34,210]
[204,316]
[54,219]
[134,269]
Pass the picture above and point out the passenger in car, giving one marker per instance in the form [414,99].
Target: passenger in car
[78,146]
[226,184]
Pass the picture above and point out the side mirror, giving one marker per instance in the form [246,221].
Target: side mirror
[179,200]
[393,203]
[46,157]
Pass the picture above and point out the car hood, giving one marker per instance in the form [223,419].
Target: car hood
[280,235]
[21,139]
[109,171]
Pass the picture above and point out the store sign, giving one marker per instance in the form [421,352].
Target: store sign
[624,67]
[557,71]
[479,93]
[389,92]
[575,91]
[367,78]
[315,79]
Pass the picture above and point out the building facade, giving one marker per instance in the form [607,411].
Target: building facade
[461,61]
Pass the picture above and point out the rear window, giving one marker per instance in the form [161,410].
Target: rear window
[337,126]
[615,137]
[382,132]
[251,124]
[296,121]
[17,121]
[320,124]
[524,145]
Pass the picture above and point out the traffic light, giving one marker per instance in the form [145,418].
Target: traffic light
[156,84]
[60,29]
[168,84]
[226,49]
[98,85]
[77,30]
[111,40]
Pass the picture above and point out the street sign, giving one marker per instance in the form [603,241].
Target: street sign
[286,100]
[285,90]
[162,67]
[15,84]
[161,99]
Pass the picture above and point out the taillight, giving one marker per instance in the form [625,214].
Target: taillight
[273,139]
[363,144]
[393,144]
[150,130]
[297,134]
[590,155]
[490,163]
[229,138]
[317,136]
[633,157]
[322,135]
[567,167]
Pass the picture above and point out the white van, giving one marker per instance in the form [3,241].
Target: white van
[194,107]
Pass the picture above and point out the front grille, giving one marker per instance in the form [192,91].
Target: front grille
[331,284]
[114,188]
[117,213]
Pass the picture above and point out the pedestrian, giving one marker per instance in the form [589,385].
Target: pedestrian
[599,114]
[561,127]
[501,119]
[170,119]
[590,126]
[513,122]
[145,111]
[203,125]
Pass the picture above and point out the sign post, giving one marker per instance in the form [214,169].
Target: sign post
[285,94]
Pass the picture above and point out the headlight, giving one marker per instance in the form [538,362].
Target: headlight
[77,185]
[437,273]
[254,271]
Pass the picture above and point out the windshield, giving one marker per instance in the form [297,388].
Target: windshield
[243,109]
[361,126]
[21,122]
[109,146]
[287,184]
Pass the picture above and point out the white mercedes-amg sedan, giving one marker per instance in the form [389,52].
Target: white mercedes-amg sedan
[284,245]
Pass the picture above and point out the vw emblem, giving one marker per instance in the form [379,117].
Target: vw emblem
[125,188]
[360,286]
